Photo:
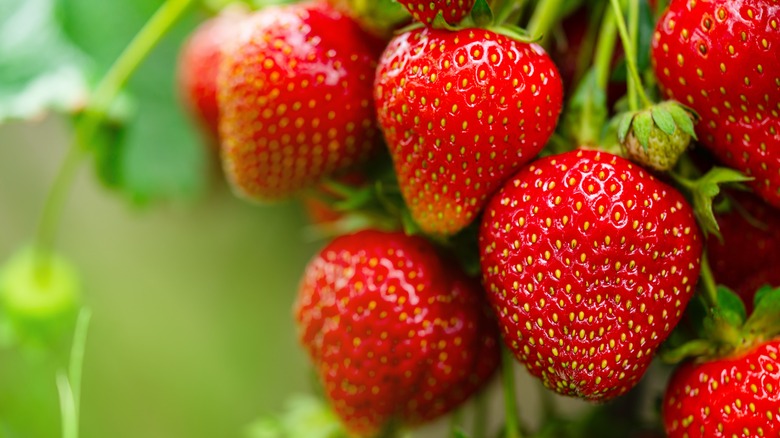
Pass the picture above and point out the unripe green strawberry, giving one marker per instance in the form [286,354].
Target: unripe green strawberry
[295,93]
[656,137]
[396,332]
[589,262]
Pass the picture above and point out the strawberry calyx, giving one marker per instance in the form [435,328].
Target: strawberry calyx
[380,17]
[704,189]
[657,136]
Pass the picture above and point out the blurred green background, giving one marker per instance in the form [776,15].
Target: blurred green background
[190,288]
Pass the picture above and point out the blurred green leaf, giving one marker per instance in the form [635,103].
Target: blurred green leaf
[40,69]
[305,417]
[155,153]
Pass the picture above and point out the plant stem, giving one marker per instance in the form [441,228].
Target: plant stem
[544,17]
[630,53]
[710,291]
[506,9]
[480,416]
[95,113]
[510,399]
[69,384]
[605,50]
[633,30]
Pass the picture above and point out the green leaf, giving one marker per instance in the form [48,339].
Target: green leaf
[705,189]
[765,320]
[157,154]
[481,13]
[663,119]
[643,126]
[40,68]
[304,417]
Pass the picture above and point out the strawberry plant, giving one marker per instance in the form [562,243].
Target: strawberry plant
[351,218]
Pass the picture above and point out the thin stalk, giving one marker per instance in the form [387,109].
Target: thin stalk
[630,53]
[510,398]
[69,384]
[633,34]
[710,290]
[605,49]
[94,114]
[507,8]
[544,17]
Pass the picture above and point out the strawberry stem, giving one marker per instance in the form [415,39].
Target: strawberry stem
[95,113]
[544,17]
[633,30]
[628,48]
[69,384]
[506,9]
[710,288]
[605,50]
[510,398]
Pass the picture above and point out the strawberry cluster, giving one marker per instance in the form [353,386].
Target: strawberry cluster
[463,221]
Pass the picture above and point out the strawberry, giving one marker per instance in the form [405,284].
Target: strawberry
[198,66]
[461,111]
[751,228]
[425,11]
[295,99]
[735,396]
[721,60]
[396,333]
[589,262]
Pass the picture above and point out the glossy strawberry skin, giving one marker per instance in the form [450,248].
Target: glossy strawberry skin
[589,262]
[394,331]
[720,58]
[198,67]
[461,111]
[731,397]
[749,254]
[425,11]
[295,99]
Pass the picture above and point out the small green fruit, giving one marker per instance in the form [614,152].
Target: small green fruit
[39,293]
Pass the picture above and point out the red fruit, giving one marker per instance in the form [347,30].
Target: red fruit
[461,111]
[198,67]
[295,99]
[721,59]
[453,11]
[394,331]
[589,262]
[749,255]
[737,396]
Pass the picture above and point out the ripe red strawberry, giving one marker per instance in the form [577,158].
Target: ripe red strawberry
[720,58]
[461,111]
[425,11]
[589,262]
[737,396]
[749,254]
[395,332]
[295,99]
[198,67]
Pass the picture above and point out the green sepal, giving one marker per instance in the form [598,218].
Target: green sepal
[731,308]
[683,118]
[694,348]
[517,33]
[440,23]
[705,189]
[663,119]
[481,13]
[625,125]
[765,320]
[643,126]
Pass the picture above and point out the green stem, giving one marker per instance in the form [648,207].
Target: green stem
[710,288]
[633,33]
[630,53]
[544,17]
[605,50]
[510,398]
[586,55]
[95,113]
[480,416]
[506,9]
[69,384]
